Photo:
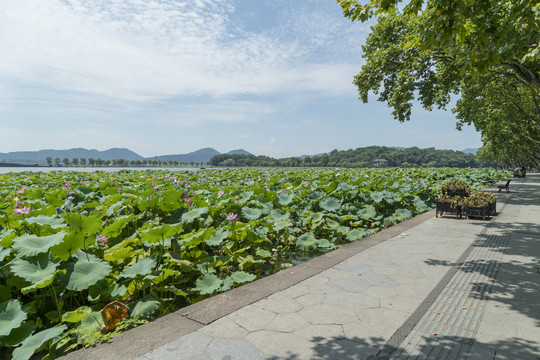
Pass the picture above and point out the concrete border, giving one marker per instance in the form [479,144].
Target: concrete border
[145,338]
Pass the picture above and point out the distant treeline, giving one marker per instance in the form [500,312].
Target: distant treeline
[361,157]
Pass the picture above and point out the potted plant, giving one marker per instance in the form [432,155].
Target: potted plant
[480,204]
[455,187]
[449,204]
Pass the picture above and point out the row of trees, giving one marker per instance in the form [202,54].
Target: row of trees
[117,162]
[361,157]
[485,51]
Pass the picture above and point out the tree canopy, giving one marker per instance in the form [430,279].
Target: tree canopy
[487,51]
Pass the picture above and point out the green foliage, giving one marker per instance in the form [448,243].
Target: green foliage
[164,241]
[486,51]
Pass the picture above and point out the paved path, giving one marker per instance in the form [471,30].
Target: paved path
[429,288]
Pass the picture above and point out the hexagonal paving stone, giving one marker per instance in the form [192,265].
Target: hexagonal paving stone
[252,318]
[352,301]
[238,349]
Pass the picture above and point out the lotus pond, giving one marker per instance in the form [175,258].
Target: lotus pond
[155,241]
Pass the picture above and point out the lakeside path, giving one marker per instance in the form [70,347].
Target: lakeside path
[428,288]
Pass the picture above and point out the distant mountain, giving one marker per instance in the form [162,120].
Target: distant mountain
[202,155]
[40,157]
[239,151]
[470,151]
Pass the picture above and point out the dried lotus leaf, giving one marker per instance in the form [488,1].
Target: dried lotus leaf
[112,314]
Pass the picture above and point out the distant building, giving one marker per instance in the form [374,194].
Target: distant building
[380,162]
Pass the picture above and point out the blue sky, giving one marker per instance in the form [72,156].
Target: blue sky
[159,77]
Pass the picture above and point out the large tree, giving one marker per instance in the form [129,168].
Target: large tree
[487,51]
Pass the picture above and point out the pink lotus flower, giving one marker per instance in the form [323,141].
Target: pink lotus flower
[119,190]
[231,217]
[103,239]
[70,197]
[23,210]
[237,197]
[220,193]
[306,185]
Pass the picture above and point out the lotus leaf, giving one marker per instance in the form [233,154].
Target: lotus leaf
[76,315]
[356,234]
[402,214]
[6,238]
[330,204]
[251,214]
[285,199]
[84,224]
[87,271]
[307,242]
[17,336]
[145,307]
[241,277]
[34,342]
[53,221]
[31,245]
[72,242]
[218,237]
[11,316]
[377,196]
[278,216]
[192,215]
[140,268]
[208,284]
[39,270]
[158,234]
[4,253]
[367,213]
[116,227]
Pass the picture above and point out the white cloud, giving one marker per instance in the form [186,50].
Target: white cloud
[155,49]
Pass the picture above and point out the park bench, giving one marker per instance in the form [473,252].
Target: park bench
[505,187]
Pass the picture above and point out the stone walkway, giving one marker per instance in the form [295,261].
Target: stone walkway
[437,288]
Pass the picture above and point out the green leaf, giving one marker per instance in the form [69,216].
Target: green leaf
[72,242]
[316,217]
[402,214]
[160,234]
[192,215]
[114,229]
[356,234]
[307,242]
[17,336]
[87,271]
[84,224]
[208,284]
[145,307]
[31,245]
[241,277]
[52,221]
[4,253]
[330,204]
[377,196]
[34,342]
[285,199]
[39,270]
[218,237]
[367,213]
[76,315]
[11,316]
[140,268]
[326,244]
[251,214]
[278,216]
[263,253]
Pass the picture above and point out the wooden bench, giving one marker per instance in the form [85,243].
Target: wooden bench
[505,187]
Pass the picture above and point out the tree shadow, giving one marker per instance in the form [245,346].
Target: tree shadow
[434,347]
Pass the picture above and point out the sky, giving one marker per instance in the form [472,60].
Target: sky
[161,77]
